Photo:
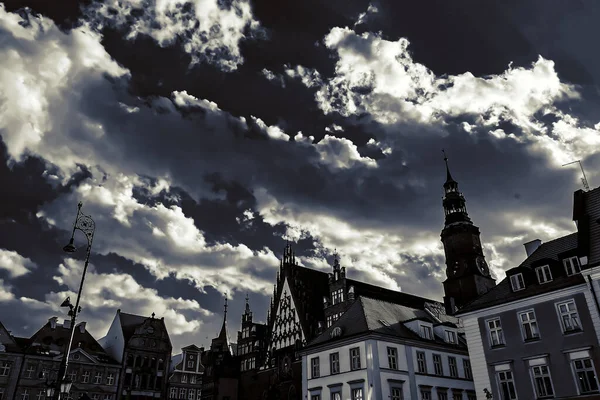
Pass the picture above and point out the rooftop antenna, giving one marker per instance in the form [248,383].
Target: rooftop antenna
[584,179]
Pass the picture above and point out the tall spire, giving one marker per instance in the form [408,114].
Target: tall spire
[448,175]
[221,342]
[455,205]
[247,304]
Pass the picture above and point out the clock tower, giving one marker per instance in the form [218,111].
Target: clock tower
[467,272]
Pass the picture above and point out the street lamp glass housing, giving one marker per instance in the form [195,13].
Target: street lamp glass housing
[70,248]
[50,391]
[65,386]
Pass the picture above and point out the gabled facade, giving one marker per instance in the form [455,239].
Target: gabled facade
[93,372]
[383,350]
[185,379]
[143,348]
[11,359]
[535,335]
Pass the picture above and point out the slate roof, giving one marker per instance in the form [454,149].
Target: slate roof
[129,322]
[502,293]
[366,315]
[552,249]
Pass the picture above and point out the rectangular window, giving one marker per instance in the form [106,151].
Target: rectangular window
[542,382]
[457,396]
[425,394]
[442,395]
[451,337]
[1,393]
[182,393]
[85,377]
[471,396]
[190,364]
[396,393]
[192,394]
[315,397]
[337,296]
[336,396]
[193,379]
[4,368]
[354,358]
[184,378]
[467,368]
[421,363]
[453,368]
[569,318]
[357,394]
[426,332]
[507,385]
[543,274]
[98,378]
[199,394]
[173,393]
[30,370]
[438,369]
[585,376]
[41,395]
[529,327]
[314,367]
[517,282]
[334,363]
[107,397]
[572,265]
[495,332]
[110,378]
[392,354]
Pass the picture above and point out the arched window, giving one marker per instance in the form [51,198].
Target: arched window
[153,363]
[161,364]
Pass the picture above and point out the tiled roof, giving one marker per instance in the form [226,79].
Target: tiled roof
[373,315]
[129,322]
[502,293]
[552,249]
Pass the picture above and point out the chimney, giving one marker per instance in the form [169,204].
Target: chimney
[82,327]
[53,322]
[67,324]
[532,246]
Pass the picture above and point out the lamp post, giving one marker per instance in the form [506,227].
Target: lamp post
[85,224]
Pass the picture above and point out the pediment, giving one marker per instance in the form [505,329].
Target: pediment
[81,356]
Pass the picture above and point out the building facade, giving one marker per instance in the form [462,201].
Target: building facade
[11,359]
[535,335]
[185,380]
[382,350]
[92,371]
[143,348]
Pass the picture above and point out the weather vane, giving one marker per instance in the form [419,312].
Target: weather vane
[583,179]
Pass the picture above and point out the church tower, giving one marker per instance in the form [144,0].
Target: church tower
[467,272]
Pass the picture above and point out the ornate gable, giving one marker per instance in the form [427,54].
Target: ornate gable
[287,328]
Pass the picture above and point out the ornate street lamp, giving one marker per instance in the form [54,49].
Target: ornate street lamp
[85,224]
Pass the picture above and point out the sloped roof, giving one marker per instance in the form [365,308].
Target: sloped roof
[552,249]
[373,315]
[502,292]
[8,341]
[129,322]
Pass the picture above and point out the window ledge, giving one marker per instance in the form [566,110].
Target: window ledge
[532,340]
[498,346]
[572,332]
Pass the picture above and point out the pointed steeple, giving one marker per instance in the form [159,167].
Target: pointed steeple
[247,303]
[455,205]
[221,342]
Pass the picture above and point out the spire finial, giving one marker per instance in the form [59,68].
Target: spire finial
[448,175]
[225,313]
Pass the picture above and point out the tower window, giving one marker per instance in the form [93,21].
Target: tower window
[571,265]
[543,273]
[337,296]
[517,282]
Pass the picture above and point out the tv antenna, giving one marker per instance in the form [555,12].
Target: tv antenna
[583,179]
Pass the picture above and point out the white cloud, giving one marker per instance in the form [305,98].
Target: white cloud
[341,153]
[362,18]
[309,77]
[15,264]
[209,30]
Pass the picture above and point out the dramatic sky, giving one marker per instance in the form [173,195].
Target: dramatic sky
[202,134]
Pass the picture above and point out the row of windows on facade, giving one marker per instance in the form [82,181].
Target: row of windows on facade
[86,376]
[248,348]
[30,394]
[438,365]
[336,394]
[334,363]
[247,365]
[185,394]
[544,274]
[567,316]
[142,362]
[442,394]
[248,331]
[584,375]
[332,318]
[426,332]
[142,381]
[183,378]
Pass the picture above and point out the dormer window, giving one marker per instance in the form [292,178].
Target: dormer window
[572,266]
[450,336]
[543,274]
[426,332]
[517,282]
